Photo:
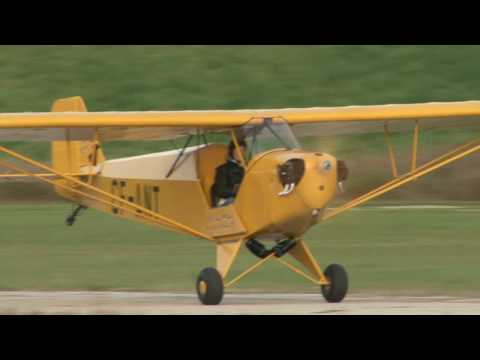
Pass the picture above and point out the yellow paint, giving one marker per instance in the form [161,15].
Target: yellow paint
[248,271]
[95,155]
[70,156]
[301,273]
[290,214]
[237,149]
[226,254]
[18,175]
[302,253]
[224,222]
[233,118]
[415,146]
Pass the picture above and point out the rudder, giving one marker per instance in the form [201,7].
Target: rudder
[70,156]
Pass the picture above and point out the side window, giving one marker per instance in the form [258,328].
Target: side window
[209,158]
[216,138]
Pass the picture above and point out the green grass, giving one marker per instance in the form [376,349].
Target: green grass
[128,78]
[124,78]
[206,77]
[387,251]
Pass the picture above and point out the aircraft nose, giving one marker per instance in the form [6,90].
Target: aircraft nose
[325,165]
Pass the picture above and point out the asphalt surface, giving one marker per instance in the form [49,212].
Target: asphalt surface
[85,302]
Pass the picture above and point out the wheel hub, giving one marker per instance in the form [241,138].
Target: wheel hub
[202,287]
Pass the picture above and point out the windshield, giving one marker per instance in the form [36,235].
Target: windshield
[266,134]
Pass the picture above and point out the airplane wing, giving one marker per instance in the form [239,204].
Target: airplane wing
[170,124]
[70,121]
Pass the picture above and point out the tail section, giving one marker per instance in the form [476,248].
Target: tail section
[69,156]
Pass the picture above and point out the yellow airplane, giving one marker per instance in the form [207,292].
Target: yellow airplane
[284,190]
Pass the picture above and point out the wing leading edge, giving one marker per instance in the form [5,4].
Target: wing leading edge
[172,124]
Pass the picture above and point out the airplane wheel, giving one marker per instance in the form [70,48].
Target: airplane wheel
[210,287]
[336,291]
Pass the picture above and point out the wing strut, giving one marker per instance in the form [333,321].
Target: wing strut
[441,161]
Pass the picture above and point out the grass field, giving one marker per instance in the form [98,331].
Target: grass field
[411,251]
[406,251]
[235,77]
[206,77]
[124,78]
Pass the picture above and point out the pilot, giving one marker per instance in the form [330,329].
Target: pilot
[229,176]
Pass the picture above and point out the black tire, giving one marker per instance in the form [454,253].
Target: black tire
[210,287]
[336,291]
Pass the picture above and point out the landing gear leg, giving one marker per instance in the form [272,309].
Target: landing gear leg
[71,219]
[333,282]
[212,282]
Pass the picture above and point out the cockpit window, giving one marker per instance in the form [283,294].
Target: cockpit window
[267,134]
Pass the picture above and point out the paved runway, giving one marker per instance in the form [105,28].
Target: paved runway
[84,302]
